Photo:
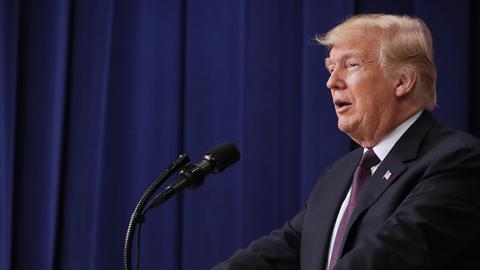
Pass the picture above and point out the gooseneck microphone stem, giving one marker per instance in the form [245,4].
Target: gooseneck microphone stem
[137,216]
[191,175]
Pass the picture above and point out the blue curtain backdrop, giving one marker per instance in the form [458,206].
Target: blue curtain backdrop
[97,97]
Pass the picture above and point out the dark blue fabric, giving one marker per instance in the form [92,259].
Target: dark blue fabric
[41,81]
[98,97]
[8,35]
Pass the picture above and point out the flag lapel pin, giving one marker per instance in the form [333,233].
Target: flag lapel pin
[387,175]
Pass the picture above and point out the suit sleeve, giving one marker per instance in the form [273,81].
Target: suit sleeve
[279,250]
[438,220]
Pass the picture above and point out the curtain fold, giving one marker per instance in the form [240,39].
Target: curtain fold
[214,112]
[98,97]
[39,132]
[89,79]
[8,51]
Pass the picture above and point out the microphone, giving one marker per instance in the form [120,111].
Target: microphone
[215,160]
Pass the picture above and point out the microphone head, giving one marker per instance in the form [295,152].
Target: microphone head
[222,156]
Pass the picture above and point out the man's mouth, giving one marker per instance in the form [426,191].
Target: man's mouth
[341,105]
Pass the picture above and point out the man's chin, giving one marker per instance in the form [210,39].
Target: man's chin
[344,126]
[348,128]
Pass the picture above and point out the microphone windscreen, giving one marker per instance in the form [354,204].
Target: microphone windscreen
[224,155]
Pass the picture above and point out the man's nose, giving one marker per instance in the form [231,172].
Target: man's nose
[336,81]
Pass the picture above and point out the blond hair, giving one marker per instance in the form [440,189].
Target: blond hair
[405,46]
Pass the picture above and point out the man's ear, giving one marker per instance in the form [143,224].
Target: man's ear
[405,83]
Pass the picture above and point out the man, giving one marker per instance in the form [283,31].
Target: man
[409,197]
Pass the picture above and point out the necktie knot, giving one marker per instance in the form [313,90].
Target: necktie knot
[369,159]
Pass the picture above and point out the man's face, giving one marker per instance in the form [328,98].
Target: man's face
[363,96]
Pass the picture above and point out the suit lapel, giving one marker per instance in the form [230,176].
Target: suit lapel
[391,167]
[377,184]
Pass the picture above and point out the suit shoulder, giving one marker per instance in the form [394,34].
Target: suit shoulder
[445,148]
[449,139]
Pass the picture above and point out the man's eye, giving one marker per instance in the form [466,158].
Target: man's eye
[352,64]
[330,69]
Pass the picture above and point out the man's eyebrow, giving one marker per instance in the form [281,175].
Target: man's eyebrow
[329,61]
[347,55]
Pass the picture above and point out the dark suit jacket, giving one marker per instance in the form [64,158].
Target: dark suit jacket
[425,216]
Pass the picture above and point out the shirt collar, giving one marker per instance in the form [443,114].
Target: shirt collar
[386,144]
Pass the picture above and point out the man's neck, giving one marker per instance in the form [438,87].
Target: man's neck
[381,132]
